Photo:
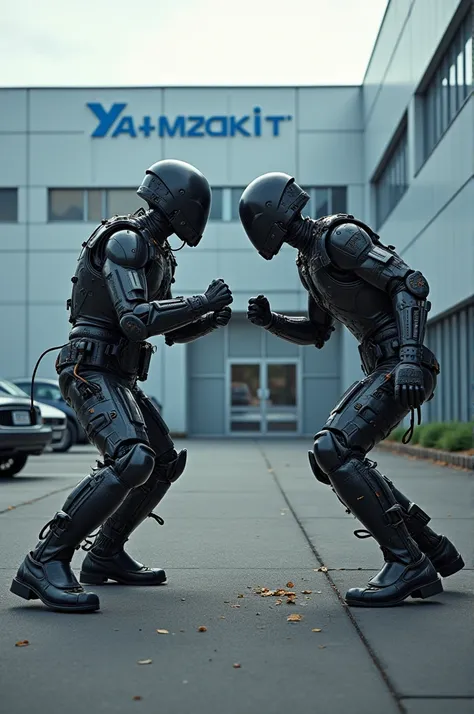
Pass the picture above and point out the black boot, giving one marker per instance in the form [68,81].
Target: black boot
[407,571]
[438,548]
[46,571]
[107,559]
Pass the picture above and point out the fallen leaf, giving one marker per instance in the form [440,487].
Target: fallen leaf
[235,606]
[291,601]
[11,508]
[144,661]
[22,643]
[236,665]
[137,698]
[202,629]
[316,629]
[239,595]
[221,617]
[278,602]
[324,569]
[306,592]
[294,618]
[163,632]
[290,584]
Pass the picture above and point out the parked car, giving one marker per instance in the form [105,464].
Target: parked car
[52,417]
[47,392]
[19,438]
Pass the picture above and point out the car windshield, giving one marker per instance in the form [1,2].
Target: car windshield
[11,389]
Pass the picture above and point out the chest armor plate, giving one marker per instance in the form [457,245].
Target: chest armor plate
[354,302]
[90,301]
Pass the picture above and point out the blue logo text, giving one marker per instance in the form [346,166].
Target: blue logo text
[113,122]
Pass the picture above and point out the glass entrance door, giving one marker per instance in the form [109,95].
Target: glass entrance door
[281,397]
[246,398]
[263,397]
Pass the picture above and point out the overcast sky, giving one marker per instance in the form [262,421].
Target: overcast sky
[186,42]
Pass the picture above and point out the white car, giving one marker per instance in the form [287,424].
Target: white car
[54,418]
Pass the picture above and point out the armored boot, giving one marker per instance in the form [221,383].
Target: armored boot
[439,549]
[107,559]
[46,572]
[407,571]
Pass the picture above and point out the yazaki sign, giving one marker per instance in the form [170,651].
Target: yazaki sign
[114,121]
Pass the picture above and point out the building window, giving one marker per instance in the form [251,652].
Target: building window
[216,204]
[325,200]
[449,87]
[236,193]
[122,201]
[8,205]
[91,204]
[66,205]
[392,181]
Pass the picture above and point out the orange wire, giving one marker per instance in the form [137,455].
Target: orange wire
[78,376]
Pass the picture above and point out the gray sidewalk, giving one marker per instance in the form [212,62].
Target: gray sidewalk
[244,516]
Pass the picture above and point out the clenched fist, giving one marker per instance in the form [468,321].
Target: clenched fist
[222,317]
[218,295]
[409,385]
[259,311]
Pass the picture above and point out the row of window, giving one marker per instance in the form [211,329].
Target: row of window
[94,204]
[448,89]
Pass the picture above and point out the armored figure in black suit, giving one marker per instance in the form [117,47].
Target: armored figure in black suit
[352,277]
[121,296]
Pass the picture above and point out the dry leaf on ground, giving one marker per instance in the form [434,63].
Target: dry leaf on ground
[22,643]
[144,661]
[290,584]
[294,618]
[236,665]
[306,592]
[316,629]
[239,595]
[291,601]
[163,632]
[137,698]
[202,629]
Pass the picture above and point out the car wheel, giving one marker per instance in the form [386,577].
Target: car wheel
[12,465]
[69,439]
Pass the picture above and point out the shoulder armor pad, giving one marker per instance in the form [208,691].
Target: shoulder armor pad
[347,243]
[127,248]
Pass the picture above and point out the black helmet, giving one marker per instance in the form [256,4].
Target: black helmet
[182,194]
[267,207]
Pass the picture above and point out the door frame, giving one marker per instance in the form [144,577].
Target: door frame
[262,362]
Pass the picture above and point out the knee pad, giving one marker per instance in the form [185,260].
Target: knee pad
[170,465]
[136,465]
[329,451]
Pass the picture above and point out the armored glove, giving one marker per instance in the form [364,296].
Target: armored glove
[259,311]
[221,317]
[218,295]
[409,385]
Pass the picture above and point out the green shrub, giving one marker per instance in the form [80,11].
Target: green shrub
[396,434]
[458,437]
[417,434]
[431,433]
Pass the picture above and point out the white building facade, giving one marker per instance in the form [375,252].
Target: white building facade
[398,152]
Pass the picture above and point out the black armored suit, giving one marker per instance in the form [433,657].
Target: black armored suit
[121,296]
[354,279]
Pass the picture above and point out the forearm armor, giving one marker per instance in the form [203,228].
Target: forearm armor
[161,316]
[299,330]
[411,311]
[192,331]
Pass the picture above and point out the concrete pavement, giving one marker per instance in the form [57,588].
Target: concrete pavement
[245,515]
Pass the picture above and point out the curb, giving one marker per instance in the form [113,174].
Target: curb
[445,457]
